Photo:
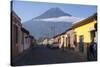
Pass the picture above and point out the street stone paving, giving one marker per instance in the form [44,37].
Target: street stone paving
[43,55]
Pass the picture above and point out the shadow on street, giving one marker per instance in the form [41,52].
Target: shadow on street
[42,55]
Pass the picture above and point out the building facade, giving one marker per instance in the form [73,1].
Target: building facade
[81,32]
[84,30]
[15,34]
[70,38]
[32,40]
[20,37]
[25,38]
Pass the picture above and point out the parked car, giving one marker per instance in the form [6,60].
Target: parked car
[53,46]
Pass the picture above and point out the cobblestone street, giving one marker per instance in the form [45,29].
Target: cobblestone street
[43,55]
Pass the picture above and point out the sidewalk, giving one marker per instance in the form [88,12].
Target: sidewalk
[74,52]
[20,56]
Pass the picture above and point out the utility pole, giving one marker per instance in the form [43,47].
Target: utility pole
[53,29]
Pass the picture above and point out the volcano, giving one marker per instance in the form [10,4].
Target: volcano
[50,23]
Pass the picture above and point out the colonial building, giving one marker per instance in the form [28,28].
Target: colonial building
[20,38]
[25,38]
[84,30]
[67,39]
[45,41]
[70,38]
[56,39]
[32,40]
[59,40]
[15,34]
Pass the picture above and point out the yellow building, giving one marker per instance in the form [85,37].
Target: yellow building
[85,29]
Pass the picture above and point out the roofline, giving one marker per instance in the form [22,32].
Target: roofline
[80,23]
[94,16]
[31,36]
[24,30]
[59,34]
[13,12]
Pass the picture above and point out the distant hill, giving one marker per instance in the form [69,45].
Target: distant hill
[53,12]
[49,23]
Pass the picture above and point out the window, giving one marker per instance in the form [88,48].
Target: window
[22,38]
[95,26]
[16,33]
[92,34]
[75,41]
[81,38]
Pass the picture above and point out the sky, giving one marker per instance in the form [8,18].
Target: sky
[27,10]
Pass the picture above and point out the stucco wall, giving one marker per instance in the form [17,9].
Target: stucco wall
[85,31]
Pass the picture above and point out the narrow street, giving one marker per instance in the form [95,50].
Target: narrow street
[43,55]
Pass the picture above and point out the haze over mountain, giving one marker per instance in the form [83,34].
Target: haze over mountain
[50,23]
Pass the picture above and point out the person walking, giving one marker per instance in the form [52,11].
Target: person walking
[81,45]
[93,50]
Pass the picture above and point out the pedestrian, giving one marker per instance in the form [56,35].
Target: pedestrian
[93,50]
[81,45]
